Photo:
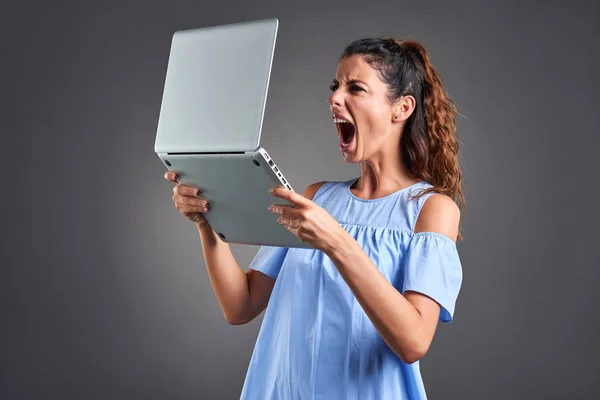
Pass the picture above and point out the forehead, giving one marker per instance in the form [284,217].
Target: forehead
[354,67]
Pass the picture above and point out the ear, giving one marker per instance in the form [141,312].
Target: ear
[403,108]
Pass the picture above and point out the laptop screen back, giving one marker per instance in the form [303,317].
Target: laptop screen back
[216,88]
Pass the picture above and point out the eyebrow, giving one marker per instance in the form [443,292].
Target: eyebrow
[335,81]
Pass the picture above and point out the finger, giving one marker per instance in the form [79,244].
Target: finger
[190,201]
[186,207]
[186,210]
[184,190]
[289,222]
[171,176]
[295,231]
[285,210]
[293,197]
[293,224]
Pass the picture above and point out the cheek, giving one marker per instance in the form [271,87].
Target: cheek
[373,126]
[372,122]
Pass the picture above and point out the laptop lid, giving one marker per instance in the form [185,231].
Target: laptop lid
[216,88]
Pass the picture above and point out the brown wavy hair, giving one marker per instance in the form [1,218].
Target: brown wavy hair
[429,142]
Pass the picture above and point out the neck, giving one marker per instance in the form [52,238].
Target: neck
[382,174]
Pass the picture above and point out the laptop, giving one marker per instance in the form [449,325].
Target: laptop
[210,126]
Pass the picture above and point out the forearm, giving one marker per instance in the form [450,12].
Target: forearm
[229,281]
[395,318]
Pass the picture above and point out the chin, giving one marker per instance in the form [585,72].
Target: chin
[351,158]
[354,154]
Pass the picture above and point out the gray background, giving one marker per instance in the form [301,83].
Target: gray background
[103,289]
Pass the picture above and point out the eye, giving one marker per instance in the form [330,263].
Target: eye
[356,88]
[333,87]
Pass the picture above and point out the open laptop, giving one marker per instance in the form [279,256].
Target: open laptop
[210,126]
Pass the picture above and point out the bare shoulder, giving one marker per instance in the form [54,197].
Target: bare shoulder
[310,190]
[439,214]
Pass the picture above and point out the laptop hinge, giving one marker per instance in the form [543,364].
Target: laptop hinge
[210,152]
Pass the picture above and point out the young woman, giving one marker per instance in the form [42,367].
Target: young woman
[351,318]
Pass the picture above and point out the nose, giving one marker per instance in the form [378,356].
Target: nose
[336,100]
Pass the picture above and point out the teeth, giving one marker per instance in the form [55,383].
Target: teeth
[340,121]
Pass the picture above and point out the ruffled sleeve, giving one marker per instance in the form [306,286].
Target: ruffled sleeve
[268,260]
[433,268]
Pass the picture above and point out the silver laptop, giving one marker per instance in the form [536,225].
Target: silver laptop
[210,125]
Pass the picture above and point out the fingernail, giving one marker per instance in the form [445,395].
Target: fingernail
[270,208]
[271,190]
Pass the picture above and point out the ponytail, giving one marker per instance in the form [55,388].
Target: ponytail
[438,164]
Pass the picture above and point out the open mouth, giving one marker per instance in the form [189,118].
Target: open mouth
[346,131]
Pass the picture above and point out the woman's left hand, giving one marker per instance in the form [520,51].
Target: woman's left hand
[309,222]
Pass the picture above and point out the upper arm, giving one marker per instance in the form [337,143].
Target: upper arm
[261,285]
[439,214]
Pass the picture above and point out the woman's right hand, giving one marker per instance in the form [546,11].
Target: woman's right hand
[187,202]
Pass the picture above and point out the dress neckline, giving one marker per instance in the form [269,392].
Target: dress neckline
[352,181]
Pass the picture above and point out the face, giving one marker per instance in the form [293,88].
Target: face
[366,121]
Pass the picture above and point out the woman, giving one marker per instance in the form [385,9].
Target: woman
[350,318]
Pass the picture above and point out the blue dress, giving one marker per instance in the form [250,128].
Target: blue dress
[316,342]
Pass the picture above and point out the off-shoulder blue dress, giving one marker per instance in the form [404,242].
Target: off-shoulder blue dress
[316,342]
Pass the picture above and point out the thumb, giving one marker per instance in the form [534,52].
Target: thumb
[171,176]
